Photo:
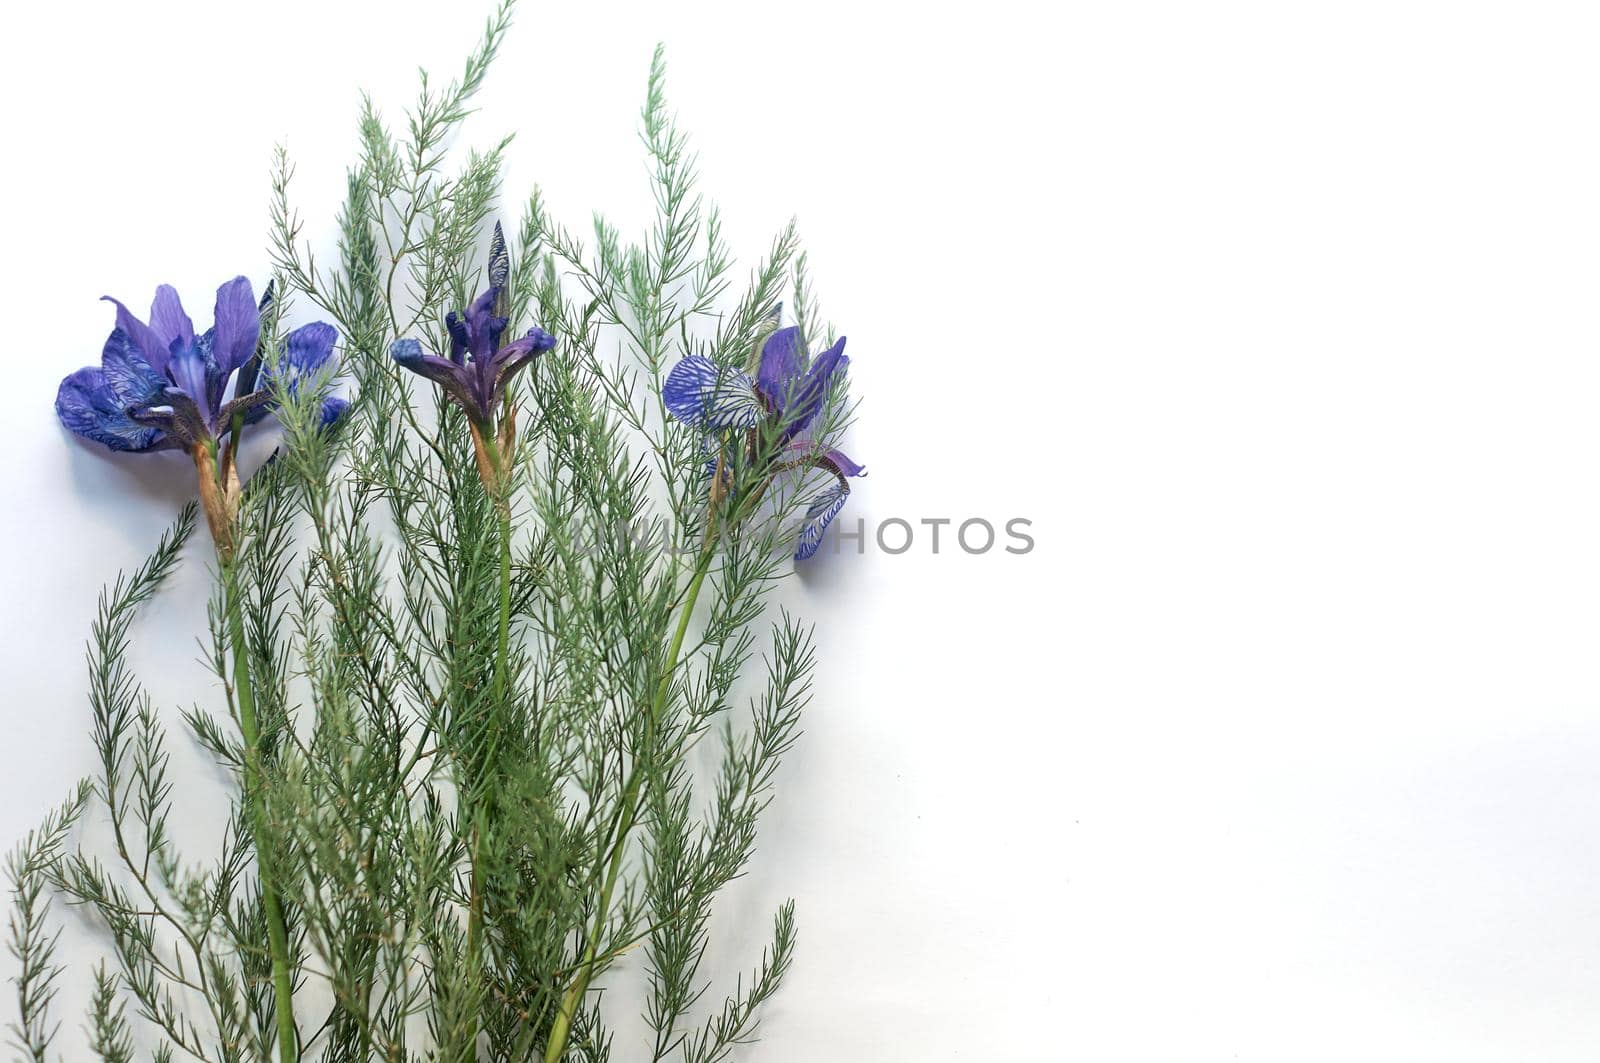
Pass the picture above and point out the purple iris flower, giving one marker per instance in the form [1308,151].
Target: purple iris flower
[479,368]
[787,393]
[159,386]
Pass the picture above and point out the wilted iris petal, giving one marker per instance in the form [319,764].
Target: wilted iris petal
[254,405]
[509,360]
[842,464]
[453,378]
[177,415]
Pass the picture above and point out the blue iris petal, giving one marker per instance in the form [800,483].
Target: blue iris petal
[307,349]
[305,352]
[843,463]
[159,385]
[87,405]
[167,319]
[812,390]
[187,367]
[819,514]
[333,408]
[789,393]
[131,379]
[700,392]
[238,324]
[781,359]
[479,368]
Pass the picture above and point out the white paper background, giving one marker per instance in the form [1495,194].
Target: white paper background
[1279,322]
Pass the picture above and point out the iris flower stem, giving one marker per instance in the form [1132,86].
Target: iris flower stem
[629,811]
[501,668]
[503,640]
[277,936]
[498,490]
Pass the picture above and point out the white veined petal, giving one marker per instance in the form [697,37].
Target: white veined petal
[819,514]
[700,392]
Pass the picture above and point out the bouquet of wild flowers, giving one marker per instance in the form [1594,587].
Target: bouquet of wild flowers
[474,621]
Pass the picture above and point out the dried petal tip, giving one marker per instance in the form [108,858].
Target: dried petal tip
[499,259]
[499,272]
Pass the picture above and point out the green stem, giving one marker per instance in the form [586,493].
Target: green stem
[632,793]
[475,918]
[277,937]
[502,666]
[503,644]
